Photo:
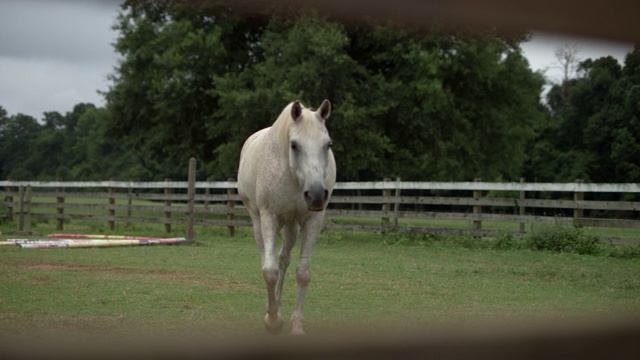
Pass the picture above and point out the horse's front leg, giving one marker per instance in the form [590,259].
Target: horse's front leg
[270,272]
[310,231]
[289,238]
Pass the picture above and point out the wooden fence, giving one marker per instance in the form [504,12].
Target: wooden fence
[473,208]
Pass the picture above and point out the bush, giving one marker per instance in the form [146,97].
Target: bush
[623,251]
[565,239]
[402,238]
[508,241]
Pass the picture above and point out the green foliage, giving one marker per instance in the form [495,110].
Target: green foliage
[594,129]
[73,146]
[400,238]
[17,135]
[558,238]
[504,241]
[159,100]
[507,241]
[195,79]
[407,103]
[303,58]
[629,251]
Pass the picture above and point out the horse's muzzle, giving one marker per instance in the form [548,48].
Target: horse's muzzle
[316,198]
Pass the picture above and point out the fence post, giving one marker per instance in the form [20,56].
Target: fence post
[112,208]
[167,203]
[386,205]
[477,210]
[577,213]
[191,190]
[60,207]
[27,223]
[396,203]
[10,203]
[21,208]
[231,230]
[129,202]
[522,209]
[207,192]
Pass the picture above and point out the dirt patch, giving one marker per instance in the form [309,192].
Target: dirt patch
[56,267]
[158,274]
[105,269]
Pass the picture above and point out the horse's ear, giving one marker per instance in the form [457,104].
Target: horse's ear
[296,110]
[325,109]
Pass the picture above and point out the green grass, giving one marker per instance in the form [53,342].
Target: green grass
[361,280]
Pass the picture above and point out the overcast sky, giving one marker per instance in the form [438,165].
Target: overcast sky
[55,54]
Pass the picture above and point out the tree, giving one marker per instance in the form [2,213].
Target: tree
[17,134]
[73,146]
[160,101]
[48,150]
[594,130]
[454,106]
[568,60]
[625,145]
[304,58]
[196,79]
[4,123]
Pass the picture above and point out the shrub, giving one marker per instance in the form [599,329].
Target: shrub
[402,238]
[623,251]
[508,241]
[560,238]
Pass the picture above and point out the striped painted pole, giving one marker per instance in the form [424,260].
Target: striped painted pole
[78,242]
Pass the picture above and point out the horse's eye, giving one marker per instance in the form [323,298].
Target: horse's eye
[294,145]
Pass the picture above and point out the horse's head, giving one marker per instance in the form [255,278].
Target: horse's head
[310,152]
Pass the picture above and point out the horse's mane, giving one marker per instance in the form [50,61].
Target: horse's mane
[284,122]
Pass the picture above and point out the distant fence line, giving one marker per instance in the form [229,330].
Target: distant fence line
[369,185]
[398,205]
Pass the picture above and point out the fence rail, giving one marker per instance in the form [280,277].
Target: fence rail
[416,207]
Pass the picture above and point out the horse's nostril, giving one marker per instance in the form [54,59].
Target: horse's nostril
[316,197]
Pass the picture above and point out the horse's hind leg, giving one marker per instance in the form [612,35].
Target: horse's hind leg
[257,230]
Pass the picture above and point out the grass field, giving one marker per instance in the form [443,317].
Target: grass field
[360,280]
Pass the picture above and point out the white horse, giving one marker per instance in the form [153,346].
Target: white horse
[286,176]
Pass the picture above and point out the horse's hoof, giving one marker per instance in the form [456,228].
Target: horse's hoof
[297,332]
[274,330]
[274,327]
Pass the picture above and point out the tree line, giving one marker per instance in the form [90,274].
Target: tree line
[195,79]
